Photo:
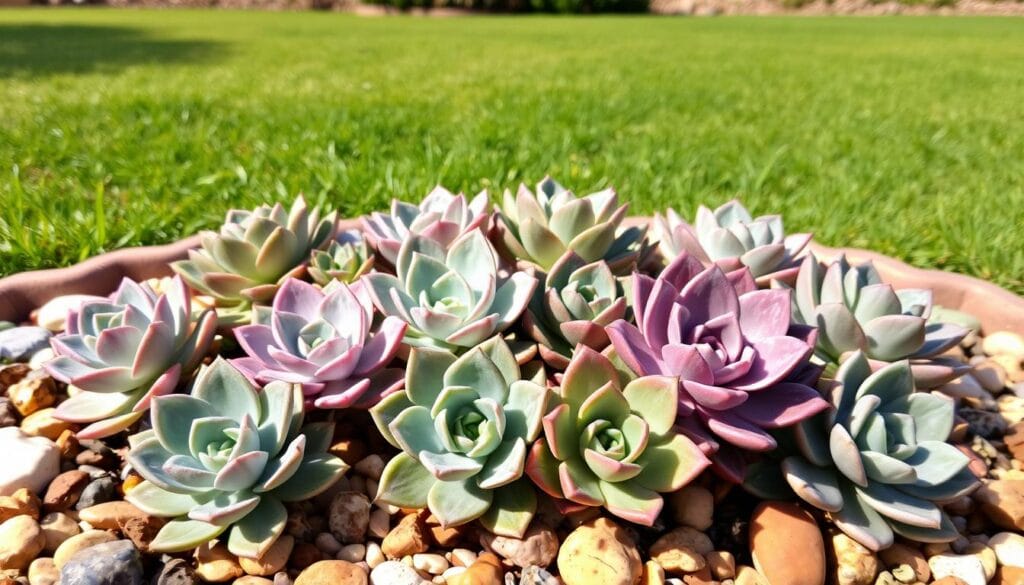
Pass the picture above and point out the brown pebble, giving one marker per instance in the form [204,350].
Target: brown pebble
[486,570]
[304,554]
[351,451]
[64,490]
[407,538]
[141,530]
[21,503]
[32,394]
[332,573]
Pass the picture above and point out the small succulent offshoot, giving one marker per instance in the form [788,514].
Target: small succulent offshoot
[346,259]
[464,425]
[119,354]
[227,457]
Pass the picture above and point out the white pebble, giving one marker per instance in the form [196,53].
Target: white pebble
[394,573]
[352,553]
[967,568]
[326,542]
[374,556]
[453,571]
[380,523]
[430,563]
[464,556]
[391,509]
[371,466]
[1009,548]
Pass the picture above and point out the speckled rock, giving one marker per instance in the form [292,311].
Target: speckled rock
[900,555]
[599,551]
[108,563]
[332,573]
[349,516]
[177,572]
[681,550]
[538,546]
[21,541]
[967,568]
[786,545]
[29,462]
[395,573]
[855,564]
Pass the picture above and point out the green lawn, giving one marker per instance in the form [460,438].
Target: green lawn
[905,135]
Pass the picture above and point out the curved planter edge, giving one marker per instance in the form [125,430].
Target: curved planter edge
[996,308]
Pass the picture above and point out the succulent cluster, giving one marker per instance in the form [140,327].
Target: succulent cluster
[229,456]
[252,254]
[878,461]
[121,353]
[731,238]
[539,353]
[853,310]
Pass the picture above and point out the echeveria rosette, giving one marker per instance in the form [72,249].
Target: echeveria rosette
[731,238]
[578,300]
[615,447]
[253,254]
[854,310]
[452,299]
[731,347]
[122,351]
[442,217]
[464,426]
[229,456]
[346,259]
[539,227]
[878,461]
[324,341]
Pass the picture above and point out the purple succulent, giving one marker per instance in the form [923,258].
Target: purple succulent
[322,340]
[732,348]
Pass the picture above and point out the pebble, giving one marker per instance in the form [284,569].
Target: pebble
[20,503]
[991,375]
[485,570]
[352,553]
[304,555]
[1014,440]
[8,414]
[1004,343]
[371,466]
[693,506]
[64,491]
[42,571]
[407,538]
[445,536]
[749,576]
[12,374]
[429,563]
[43,423]
[326,542]
[463,557]
[282,578]
[98,491]
[29,462]
[786,545]
[989,425]
[214,563]
[374,556]
[273,560]
[855,563]
[1009,576]
[349,516]
[32,394]
[681,550]
[394,573]
[57,527]
[108,563]
[1014,371]
[538,546]
[987,556]
[177,572]
[1009,548]
[21,541]
[71,546]
[252,580]
[18,343]
[900,555]
[110,515]
[380,523]
[1002,500]
[53,314]
[599,551]
[722,564]
[967,568]
[332,573]
[451,573]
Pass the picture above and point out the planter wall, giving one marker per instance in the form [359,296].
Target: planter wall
[996,308]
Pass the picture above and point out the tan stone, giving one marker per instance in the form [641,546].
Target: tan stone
[21,503]
[722,564]
[538,546]
[214,563]
[273,560]
[786,545]
[1003,502]
[749,576]
[43,571]
[899,555]
[693,506]
[599,551]
[82,541]
[21,541]
[32,394]
[57,527]
[332,573]
[855,564]
[42,423]
[654,574]
[681,550]
[485,570]
[252,580]
[110,515]
[407,538]
[1009,576]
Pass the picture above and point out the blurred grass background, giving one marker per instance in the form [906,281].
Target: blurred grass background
[904,135]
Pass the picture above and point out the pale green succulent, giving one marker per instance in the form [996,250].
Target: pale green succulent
[253,254]
[540,227]
[228,456]
[878,462]
[451,299]
[345,260]
[464,426]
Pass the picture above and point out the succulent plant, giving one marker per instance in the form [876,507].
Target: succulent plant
[540,227]
[346,259]
[254,252]
[454,299]
[122,352]
[464,425]
[732,348]
[613,446]
[441,217]
[730,237]
[878,462]
[322,340]
[854,310]
[577,302]
[228,456]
